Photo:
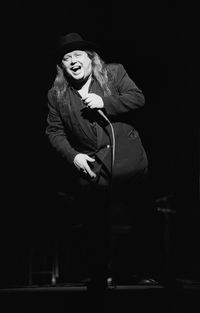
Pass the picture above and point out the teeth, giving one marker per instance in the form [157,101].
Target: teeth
[76,67]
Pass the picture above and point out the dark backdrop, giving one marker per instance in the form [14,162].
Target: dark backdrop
[153,42]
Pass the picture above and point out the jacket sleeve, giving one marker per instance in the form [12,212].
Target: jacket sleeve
[128,97]
[56,132]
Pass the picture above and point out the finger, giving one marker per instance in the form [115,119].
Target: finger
[85,98]
[88,158]
[90,172]
[87,102]
[93,106]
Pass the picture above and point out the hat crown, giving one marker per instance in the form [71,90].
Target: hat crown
[70,38]
[71,42]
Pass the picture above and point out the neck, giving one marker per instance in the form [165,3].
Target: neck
[79,84]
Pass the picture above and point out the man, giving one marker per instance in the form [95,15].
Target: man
[91,110]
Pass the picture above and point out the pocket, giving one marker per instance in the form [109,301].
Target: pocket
[130,155]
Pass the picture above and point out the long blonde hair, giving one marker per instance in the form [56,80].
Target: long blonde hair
[99,71]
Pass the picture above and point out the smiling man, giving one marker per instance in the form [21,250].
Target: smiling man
[77,64]
[89,123]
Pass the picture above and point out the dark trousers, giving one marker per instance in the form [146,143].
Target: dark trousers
[134,247]
[127,204]
[95,204]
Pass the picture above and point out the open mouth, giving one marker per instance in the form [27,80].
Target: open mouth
[76,68]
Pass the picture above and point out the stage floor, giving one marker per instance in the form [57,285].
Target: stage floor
[74,298]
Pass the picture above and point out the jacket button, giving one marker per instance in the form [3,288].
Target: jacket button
[108,146]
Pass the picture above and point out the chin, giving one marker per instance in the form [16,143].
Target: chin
[79,77]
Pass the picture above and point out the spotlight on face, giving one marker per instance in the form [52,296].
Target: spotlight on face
[77,64]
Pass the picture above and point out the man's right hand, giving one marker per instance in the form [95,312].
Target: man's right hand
[81,162]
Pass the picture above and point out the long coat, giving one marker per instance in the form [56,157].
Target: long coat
[72,128]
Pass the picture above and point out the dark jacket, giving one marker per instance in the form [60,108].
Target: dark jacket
[72,128]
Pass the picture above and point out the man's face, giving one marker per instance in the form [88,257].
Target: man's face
[77,64]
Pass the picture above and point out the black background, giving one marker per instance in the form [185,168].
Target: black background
[153,41]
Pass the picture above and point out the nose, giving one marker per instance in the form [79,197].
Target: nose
[73,59]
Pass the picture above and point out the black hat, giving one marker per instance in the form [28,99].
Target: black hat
[73,41]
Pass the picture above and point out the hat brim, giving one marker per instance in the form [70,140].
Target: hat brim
[77,45]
